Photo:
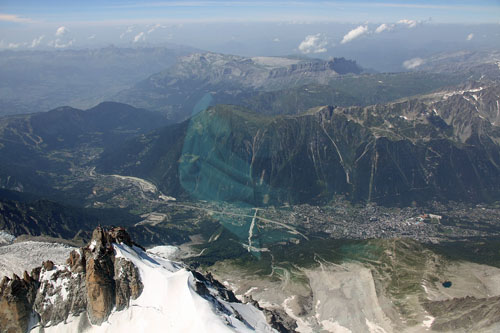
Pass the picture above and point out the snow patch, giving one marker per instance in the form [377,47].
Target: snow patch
[6,238]
[467,99]
[428,321]
[166,197]
[302,325]
[425,288]
[24,256]
[164,251]
[249,291]
[333,326]
[374,328]
[60,286]
[461,92]
[498,113]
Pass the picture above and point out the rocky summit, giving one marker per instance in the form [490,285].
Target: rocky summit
[101,280]
[93,281]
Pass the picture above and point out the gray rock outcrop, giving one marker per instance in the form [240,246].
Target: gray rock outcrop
[93,281]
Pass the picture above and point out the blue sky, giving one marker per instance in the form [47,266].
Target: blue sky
[119,12]
[380,34]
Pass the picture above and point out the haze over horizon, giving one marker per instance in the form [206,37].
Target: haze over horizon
[319,29]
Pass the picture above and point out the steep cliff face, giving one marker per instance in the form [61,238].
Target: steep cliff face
[199,80]
[257,72]
[17,297]
[93,281]
[113,285]
[329,68]
[60,294]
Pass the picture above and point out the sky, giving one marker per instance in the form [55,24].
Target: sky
[313,28]
[109,12]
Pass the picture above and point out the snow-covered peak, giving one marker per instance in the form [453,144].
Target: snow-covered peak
[174,293]
[173,300]
[114,285]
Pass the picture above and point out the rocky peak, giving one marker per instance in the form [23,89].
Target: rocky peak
[17,297]
[93,281]
[98,280]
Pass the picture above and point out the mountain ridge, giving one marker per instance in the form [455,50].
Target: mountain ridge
[34,146]
[177,90]
[111,280]
[387,153]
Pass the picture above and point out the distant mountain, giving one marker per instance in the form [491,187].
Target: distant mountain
[48,218]
[479,64]
[33,146]
[360,90]
[31,216]
[36,81]
[274,85]
[444,146]
[199,80]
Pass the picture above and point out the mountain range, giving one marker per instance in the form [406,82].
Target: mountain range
[305,186]
[443,146]
[212,78]
[272,84]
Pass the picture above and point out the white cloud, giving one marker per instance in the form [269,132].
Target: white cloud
[129,30]
[13,45]
[384,27]
[413,63]
[409,23]
[14,18]
[155,27]
[277,40]
[60,44]
[404,23]
[139,37]
[91,36]
[62,38]
[37,41]
[61,31]
[354,33]
[313,44]
[470,36]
